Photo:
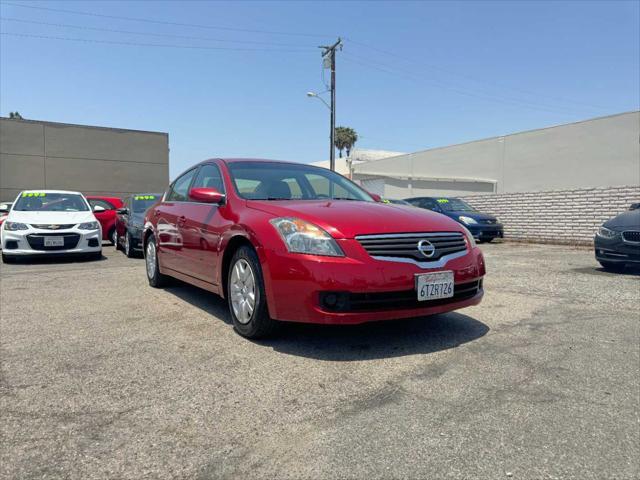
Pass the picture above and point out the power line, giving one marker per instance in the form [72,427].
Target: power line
[422,80]
[477,80]
[161,45]
[132,32]
[163,22]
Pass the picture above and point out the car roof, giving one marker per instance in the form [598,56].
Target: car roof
[43,190]
[253,160]
[101,197]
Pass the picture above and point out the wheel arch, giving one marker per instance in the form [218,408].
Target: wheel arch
[233,244]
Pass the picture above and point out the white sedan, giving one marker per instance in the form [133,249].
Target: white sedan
[50,222]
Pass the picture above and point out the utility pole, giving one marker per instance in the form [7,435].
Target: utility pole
[329,56]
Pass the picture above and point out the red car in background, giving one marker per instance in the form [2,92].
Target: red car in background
[4,210]
[293,242]
[104,209]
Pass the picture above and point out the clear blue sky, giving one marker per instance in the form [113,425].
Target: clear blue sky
[411,75]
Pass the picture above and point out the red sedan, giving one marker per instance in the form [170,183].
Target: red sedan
[292,242]
[104,208]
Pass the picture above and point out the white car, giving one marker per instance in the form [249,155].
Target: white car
[50,222]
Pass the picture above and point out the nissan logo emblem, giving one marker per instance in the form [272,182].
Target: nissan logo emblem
[426,248]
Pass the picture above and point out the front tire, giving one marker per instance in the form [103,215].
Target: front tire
[156,279]
[612,267]
[246,295]
[8,259]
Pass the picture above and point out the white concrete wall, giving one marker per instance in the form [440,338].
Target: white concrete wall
[601,152]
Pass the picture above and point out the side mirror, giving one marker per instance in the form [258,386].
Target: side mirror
[376,197]
[99,209]
[122,211]
[206,195]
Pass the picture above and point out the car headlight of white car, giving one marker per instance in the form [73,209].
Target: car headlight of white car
[301,236]
[89,226]
[607,233]
[14,226]
[467,220]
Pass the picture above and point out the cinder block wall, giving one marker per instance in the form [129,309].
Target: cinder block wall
[559,216]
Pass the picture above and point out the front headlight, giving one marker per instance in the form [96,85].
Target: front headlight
[472,241]
[303,237]
[467,220]
[89,226]
[606,233]
[13,226]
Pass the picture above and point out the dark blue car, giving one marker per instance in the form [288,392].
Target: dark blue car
[482,226]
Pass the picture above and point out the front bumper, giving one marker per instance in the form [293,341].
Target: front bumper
[482,231]
[616,250]
[295,285]
[30,242]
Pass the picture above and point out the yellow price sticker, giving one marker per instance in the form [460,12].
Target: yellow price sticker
[144,197]
[33,194]
[443,200]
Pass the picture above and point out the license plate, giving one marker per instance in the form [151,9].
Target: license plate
[431,286]
[54,241]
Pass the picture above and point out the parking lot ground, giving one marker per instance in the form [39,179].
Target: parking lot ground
[105,377]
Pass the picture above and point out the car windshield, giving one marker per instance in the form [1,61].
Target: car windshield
[454,205]
[286,181]
[50,202]
[142,202]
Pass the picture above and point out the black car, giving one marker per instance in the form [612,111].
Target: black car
[482,226]
[617,242]
[129,222]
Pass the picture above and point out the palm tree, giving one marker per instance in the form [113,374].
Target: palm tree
[346,137]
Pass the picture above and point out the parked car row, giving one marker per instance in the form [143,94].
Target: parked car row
[287,242]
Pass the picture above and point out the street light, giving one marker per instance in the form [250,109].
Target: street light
[317,95]
[332,162]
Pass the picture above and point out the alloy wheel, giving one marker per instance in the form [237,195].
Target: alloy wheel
[151,259]
[127,245]
[242,289]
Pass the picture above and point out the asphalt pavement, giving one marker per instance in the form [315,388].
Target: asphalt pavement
[104,377]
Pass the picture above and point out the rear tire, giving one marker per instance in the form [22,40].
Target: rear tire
[612,267]
[128,245]
[95,256]
[246,295]
[152,263]
[8,259]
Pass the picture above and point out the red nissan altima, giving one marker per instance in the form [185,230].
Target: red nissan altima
[292,242]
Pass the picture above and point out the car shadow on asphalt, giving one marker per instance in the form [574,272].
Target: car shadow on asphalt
[48,260]
[375,340]
[368,341]
[202,299]
[628,271]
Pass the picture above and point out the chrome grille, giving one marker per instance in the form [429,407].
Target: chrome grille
[53,226]
[631,236]
[405,245]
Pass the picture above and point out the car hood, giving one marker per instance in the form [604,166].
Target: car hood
[474,215]
[346,219]
[50,217]
[629,220]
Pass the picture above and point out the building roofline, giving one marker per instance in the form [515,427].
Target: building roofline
[46,122]
[508,135]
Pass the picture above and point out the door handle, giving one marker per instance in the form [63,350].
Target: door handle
[181,220]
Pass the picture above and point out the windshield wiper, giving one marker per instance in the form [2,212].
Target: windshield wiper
[346,198]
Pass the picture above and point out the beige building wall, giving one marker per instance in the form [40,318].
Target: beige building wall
[92,160]
[600,152]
